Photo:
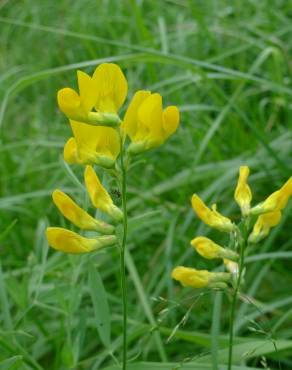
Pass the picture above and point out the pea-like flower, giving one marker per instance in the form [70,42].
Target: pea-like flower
[200,278]
[210,250]
[78,216]
[105,92]
[69,242]
[100,198]
[146,123]
[211,217]
[242,194]
[263,225]
[277,201]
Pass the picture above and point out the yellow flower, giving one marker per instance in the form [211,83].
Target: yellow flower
[77,215]
[100,198]
[243,195]
[69,242]
[211,217]
[146,123]
[95,145]
[208,249]
[106,91]
[200,278]
[276,201]
[263,225]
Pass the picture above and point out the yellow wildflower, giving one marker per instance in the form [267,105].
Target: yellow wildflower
[69,242]
[77,215]
[243,195]
[146,123]
[200,278]
[210,250]
[276,201]
[210,216]
[95,145]
[263,225]
[106,91]
[100,198]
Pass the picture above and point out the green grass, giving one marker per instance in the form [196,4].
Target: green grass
[227,65]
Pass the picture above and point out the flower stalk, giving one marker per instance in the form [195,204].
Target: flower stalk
[122,257]
[242,247]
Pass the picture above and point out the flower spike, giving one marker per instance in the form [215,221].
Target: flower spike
[100,198]
[210,216]
[242,194]
[77,215]
[69,242]
[210,250]
[200,278]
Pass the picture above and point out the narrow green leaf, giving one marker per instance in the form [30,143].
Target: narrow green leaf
[100,305]
[174,366]
[248,350]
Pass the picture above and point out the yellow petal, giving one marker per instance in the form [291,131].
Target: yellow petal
[96,144]
[70,104]
[87,91]
[191,277]
[130,122]
[208,249]
[200,278]
[77,215]
[211,217]
[100,198]
[71,153]
[170,120]
[243,195]
[263,225]
[150,121]
[276,201]
[69,242]
[111,87]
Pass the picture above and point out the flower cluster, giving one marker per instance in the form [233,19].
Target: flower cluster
[96,126]
[269,215]
[99,137]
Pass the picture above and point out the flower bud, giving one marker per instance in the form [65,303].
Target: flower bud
[276,201]
[69,242]
[77,215]
[100,198]
[211,217]
[243,195]
[210,250]
[263,225]
[200,278]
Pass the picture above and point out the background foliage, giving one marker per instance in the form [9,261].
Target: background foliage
[228,67]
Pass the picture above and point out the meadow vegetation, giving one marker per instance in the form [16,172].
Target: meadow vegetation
[227,65]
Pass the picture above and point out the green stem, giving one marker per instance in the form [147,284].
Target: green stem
[234,301]
[122,260]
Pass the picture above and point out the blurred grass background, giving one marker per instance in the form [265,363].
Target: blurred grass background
[227,65]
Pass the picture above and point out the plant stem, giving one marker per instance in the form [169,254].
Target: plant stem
[234,300]
[122,259]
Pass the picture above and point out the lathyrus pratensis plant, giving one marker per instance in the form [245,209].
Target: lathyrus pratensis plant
[100,137]
[254,226]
